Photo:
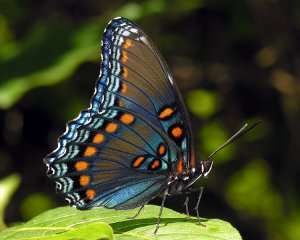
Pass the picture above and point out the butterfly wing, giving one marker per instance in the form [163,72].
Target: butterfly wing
[120,152]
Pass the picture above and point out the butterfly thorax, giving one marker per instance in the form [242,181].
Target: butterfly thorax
[181,182]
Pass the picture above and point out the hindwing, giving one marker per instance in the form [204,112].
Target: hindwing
[120,152]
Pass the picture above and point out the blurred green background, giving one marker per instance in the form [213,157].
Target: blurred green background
[234,62]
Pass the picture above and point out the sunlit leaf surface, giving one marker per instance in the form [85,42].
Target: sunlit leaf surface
[8,186]
[69,223]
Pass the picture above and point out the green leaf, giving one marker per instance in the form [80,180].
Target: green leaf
[8,186]
[69,223]
[209,103]
[212,136]
[39,200]
[253,181]
[49,54]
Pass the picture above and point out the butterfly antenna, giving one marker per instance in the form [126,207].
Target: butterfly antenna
[243,130]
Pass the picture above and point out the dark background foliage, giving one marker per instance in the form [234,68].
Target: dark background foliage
[234,62]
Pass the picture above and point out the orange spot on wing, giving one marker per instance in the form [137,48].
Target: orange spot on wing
[124,72]
[127,118]
[155,164]
[111,127]
[167,112]
[80,166]
[124,88]
[90,194]
[84,180]
[89,151]
[177,132]
[121,103]
[138,161]
[127,43]
[162,149]
[180,166]
[98,138]
[124,57]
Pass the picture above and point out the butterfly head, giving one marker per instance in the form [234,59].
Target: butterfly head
[205,167]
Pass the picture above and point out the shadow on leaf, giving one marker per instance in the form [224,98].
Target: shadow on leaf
[130,224]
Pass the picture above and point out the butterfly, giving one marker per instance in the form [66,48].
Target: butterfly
[134,142]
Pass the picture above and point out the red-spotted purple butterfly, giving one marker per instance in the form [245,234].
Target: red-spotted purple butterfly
[134,142]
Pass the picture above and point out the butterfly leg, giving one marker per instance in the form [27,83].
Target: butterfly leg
[186,204]
[188,192]
[197,206]
[135,215]
[160,212]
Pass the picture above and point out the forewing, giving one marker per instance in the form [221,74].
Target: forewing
[140,81]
